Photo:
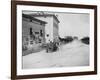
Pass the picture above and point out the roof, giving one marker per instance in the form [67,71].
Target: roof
[31,17]
[45,15]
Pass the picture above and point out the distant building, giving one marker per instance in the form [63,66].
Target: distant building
[52,26]
[33,31]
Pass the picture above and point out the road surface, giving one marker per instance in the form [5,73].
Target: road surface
[71,54]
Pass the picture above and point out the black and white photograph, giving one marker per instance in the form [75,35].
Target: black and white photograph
[55,39]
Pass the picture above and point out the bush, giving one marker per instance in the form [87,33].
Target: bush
[85,40]
[68,39]
[51,47]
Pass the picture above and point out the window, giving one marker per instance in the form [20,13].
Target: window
[36,32]
[41,33]
[31,42]
[31,31]
[47,35]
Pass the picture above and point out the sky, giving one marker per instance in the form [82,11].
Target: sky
[71,24]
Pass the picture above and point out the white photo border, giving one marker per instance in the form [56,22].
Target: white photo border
[21,71]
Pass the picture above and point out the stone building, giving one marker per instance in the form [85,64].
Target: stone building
[33,32]
[38,29]
[52,26]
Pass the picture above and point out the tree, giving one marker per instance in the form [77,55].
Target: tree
[85,40]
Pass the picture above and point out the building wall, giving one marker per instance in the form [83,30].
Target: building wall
[48,27]
[27,41]
[55,29]
[26,25]
[51,28]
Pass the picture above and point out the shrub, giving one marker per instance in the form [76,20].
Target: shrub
[69,39]
[51,47]
[85,40]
